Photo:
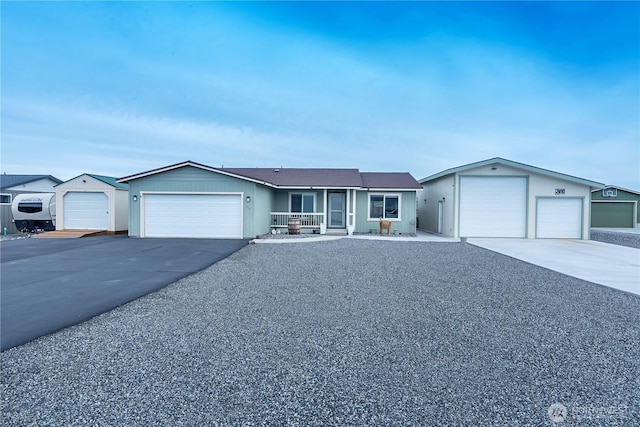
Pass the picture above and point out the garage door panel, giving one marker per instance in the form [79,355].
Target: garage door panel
[559,218]
[86,211]
[612,214]
[193,215]
[493,206]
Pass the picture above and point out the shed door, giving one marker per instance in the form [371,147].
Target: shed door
[559,218]
[216,216]
[612,214]
[493,206]
[86,211]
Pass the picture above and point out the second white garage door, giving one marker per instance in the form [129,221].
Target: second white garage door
[86,211]
[559,218]
[216,216]
[493,206]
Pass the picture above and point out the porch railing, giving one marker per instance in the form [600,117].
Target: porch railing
[307,220]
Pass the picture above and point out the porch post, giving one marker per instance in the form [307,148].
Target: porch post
[351,211]
[323,225]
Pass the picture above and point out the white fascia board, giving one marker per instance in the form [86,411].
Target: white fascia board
[313,187]
[391,189]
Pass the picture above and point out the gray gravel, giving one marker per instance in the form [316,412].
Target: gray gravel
[347,332]
[617,238]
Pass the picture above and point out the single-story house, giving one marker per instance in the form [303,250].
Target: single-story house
[190,199]
[12,185]
[615,207]
[503,198]
[92,202]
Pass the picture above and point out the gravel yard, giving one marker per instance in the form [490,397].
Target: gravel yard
[617,238]
[346,332]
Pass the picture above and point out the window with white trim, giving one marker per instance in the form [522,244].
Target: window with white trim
[385,206]
[5,199]
[302,202]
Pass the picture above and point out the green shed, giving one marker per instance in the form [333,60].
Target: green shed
[615,207]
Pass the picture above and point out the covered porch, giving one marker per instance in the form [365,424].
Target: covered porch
[318,211]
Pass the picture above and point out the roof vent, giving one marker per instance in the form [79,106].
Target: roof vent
[276,170]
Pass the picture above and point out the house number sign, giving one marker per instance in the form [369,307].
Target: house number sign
[559,191]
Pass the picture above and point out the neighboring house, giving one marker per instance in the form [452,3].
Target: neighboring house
[12,185]
[503,198]
[92,202]
[615,207]
[194,200]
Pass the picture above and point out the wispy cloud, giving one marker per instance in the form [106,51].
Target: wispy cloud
[443,85]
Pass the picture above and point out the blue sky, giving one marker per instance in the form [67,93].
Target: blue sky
[117,88]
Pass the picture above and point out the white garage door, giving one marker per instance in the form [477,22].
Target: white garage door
[86,211]
[193,215]
[559,218]
[493,206]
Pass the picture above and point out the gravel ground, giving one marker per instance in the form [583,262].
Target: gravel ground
[346,332]
[617,238]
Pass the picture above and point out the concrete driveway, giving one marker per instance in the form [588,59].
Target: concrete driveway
[47,285]
[603,263]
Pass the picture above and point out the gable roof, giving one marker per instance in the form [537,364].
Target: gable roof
[300,177]
[8,181]
[511,163]
[109,180]
[617,188]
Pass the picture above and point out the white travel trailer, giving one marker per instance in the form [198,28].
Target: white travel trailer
[34,211]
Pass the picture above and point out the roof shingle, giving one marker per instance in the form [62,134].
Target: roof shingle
[8,181]
[292,177]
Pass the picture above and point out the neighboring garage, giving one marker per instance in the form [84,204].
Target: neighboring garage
[92,202]
[615,207]
[192,215]
[502,198]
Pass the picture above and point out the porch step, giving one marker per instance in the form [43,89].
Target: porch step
[336,232]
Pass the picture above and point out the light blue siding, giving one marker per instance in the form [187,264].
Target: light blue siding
[407,222]
[260,207]
[194,180]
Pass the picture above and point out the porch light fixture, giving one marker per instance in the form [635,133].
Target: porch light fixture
[248,199]
[135,198]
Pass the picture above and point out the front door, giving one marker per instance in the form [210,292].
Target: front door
[337,204]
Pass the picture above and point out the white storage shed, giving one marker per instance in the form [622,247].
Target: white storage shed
[92,202]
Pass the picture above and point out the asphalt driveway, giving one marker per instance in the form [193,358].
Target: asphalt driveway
[49,284]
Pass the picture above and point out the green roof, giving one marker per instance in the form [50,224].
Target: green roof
[109,180]
[112,181]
